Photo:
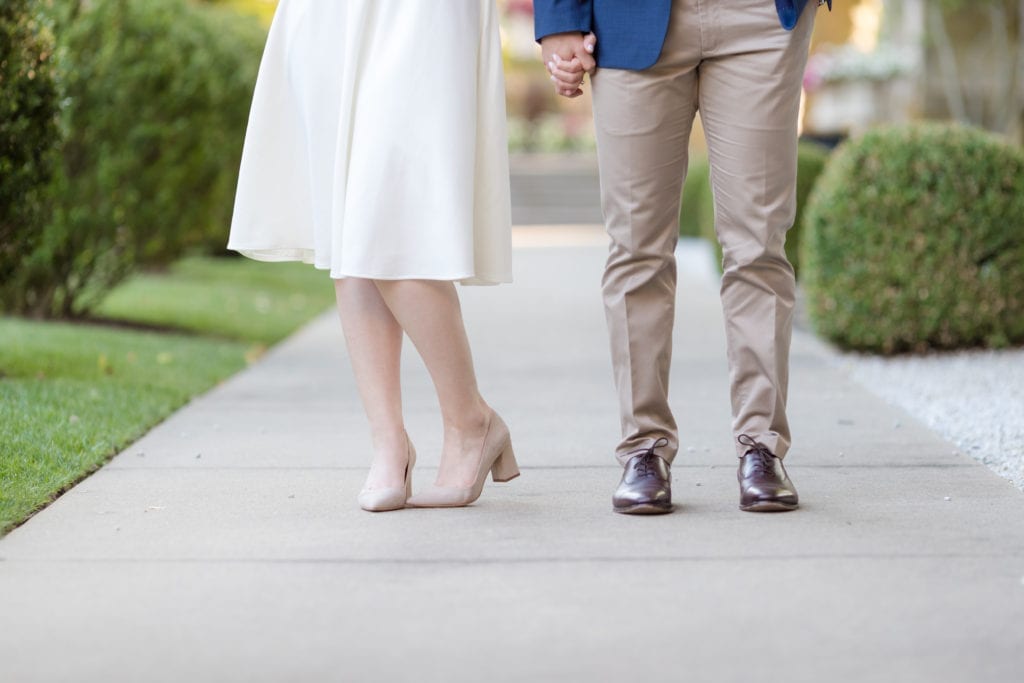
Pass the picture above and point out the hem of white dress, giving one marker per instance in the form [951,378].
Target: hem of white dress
[309,257]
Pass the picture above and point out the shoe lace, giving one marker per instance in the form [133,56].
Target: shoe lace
[762,464]
[645,465]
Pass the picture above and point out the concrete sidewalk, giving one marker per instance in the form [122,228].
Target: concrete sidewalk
[227,546]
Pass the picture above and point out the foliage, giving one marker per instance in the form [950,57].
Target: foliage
[264,9]
[553,133]
[230,298]
[697,215]
[697,209]
[915,240]
[29,127]
[158,98]
[810,162]
[72,395]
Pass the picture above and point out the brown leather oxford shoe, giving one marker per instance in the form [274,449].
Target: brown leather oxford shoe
[646,486]
[764,484]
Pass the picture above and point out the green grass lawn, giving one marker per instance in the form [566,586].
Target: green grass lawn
[73,395]
[234,298]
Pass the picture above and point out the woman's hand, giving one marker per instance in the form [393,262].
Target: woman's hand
[568,57]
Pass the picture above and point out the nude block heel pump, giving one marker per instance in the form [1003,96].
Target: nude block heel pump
[385,500]
[496,457]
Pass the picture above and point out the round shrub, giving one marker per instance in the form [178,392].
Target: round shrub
[697,209]
[158,96]
[810,162]
[915,240]
[29,132]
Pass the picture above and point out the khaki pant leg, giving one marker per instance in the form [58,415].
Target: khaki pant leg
[643,121]
[750,86]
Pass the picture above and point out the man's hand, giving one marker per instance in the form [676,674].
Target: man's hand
[568,56]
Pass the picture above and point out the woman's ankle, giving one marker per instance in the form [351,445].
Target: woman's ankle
[469,423]
[390,441]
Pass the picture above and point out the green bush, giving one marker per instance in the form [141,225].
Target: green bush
[697,215]
[810,162]
[158,96]
[697,210]
[916,240]
[29,129]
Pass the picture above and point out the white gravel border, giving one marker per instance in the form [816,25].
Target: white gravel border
[973,398]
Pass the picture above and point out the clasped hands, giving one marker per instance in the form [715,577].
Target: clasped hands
[568,57]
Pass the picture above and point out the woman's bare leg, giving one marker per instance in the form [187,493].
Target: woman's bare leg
[429,312]
[374,340]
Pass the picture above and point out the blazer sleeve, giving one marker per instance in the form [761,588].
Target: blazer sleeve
[562,16]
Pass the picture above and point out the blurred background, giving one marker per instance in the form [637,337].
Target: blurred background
[873,61]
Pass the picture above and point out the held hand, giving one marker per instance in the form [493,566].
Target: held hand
[567,76]
[568,56]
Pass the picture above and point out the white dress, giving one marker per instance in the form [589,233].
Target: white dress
[377,142]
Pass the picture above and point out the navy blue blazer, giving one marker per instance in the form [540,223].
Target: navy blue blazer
[630,33]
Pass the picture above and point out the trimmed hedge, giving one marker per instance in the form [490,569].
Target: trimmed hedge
[810,162]
[29,128]
[697,213]
[158,95]
[915,241]
[697,210]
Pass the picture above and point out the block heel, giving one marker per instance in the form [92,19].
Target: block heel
[505,467]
